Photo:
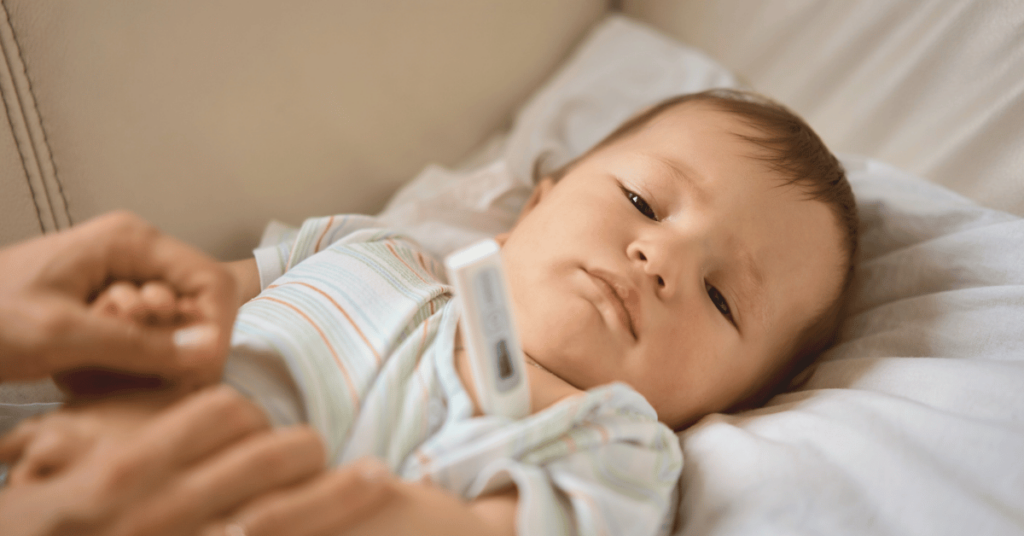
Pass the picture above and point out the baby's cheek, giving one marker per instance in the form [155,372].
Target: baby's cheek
[550,325]
[681,372]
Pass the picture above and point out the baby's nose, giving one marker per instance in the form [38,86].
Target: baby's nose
[650,264]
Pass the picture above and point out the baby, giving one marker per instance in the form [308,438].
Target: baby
[691,263]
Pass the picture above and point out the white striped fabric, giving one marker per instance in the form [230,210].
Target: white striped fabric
[355,335]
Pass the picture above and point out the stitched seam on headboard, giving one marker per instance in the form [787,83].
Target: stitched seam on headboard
[24,167]
[12,106]
[38,137]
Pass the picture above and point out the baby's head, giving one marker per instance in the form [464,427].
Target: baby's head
[700,253]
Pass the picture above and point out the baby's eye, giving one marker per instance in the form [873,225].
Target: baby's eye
[719,301]
[640,204]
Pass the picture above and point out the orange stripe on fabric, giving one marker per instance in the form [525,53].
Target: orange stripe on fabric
[328,228]
[341,366]
[395,253]
[340,309]
[423,343]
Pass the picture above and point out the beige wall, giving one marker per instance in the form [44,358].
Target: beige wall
[210,117]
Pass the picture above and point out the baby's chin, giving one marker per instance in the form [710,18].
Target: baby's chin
[559,367]
[571,344]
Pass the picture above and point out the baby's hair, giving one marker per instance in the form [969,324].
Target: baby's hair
[789,147]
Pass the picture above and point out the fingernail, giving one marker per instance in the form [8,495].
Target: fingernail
[195,337]
[374,471]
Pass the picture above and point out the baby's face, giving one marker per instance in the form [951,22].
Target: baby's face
[672,261]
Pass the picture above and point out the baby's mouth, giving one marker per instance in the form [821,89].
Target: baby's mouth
[619,297]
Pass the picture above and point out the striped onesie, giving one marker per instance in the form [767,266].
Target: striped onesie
[354,333]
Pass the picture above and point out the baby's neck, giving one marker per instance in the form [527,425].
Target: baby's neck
[545,387]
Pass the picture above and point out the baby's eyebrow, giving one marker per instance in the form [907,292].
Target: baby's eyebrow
[685,174]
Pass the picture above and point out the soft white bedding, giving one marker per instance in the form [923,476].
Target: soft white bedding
[912,424]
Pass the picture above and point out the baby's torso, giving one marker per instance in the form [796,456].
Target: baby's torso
[359,340]
[362,330]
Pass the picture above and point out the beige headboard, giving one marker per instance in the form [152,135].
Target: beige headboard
[210,117]
[935,87]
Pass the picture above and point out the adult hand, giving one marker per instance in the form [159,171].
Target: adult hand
[119,468]
[41,447]
[47,324]
[327,505]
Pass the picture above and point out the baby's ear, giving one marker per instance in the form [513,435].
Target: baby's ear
[540,191]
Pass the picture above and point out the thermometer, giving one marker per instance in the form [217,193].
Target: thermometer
[489,329]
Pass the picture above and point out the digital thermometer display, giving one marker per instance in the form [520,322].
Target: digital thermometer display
[489,330]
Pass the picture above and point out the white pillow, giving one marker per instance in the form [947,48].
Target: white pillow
[914,422]
[620,68]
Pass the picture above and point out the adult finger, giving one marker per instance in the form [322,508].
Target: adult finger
[47,454]
[234,476]
[13,444]
[121,246]
[326,505]
[191,274]
[51,334]
[198,425]
[91,383]
[261,463]
[121,477]
[80,338]
[84,339]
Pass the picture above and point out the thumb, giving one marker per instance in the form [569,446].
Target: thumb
[193,351]
[201,348]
